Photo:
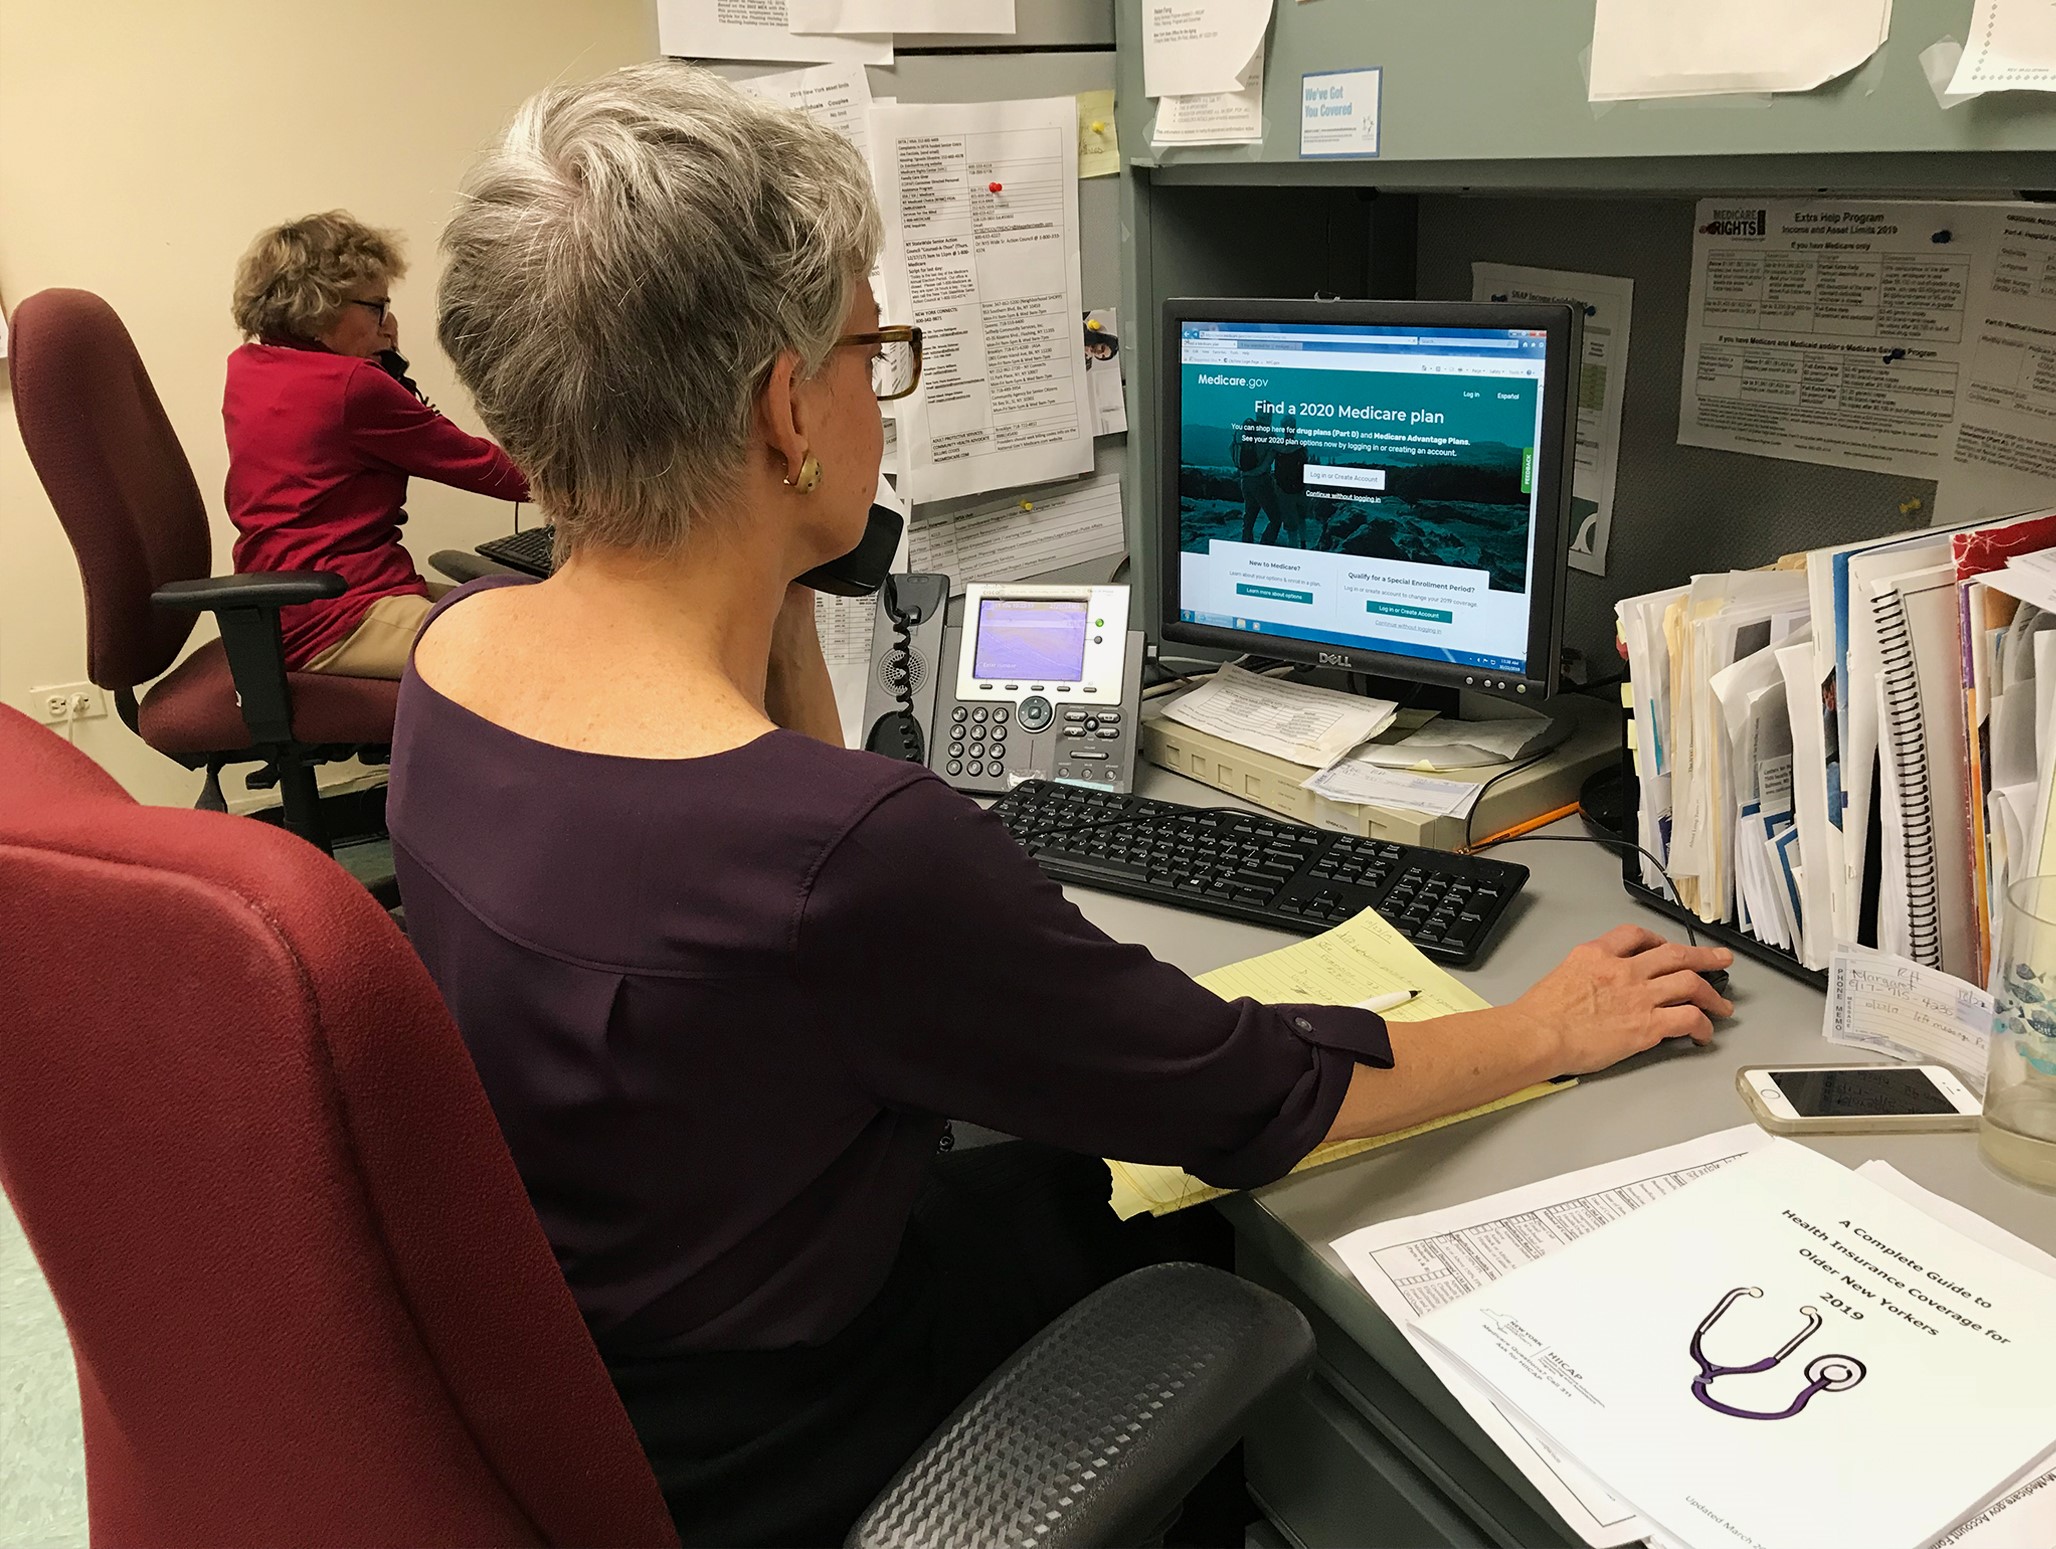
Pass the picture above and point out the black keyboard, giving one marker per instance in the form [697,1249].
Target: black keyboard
[1263,869]
[528,552]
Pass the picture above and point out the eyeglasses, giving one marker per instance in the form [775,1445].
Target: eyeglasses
[895,360]
[377,306]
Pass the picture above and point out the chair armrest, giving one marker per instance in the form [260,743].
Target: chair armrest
[248,606]
[462,565]
[260,589]
[1095,1430]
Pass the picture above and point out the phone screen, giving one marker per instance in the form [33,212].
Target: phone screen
[1836,1094]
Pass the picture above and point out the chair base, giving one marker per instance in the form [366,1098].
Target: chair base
[346,817]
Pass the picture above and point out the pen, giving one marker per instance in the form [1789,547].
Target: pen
[1388,1002]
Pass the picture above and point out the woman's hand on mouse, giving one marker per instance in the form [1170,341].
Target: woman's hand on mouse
[1623,993]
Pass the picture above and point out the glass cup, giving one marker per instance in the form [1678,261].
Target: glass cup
[2018,1135]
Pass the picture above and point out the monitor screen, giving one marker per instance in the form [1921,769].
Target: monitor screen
[1389,490]
[1036,639]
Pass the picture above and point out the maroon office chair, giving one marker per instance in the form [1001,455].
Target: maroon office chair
[308,1300]
[124,492]
[307,1296]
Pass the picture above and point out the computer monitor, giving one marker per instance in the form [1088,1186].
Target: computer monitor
[1382,486]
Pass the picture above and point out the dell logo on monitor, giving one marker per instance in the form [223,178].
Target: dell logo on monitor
[1336,659]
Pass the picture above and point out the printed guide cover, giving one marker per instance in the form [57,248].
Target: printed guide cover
[1782,1355]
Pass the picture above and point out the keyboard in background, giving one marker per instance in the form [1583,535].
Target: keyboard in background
[528,552]
[1258,868]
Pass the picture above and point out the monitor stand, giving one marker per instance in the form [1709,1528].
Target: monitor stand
[1585,736]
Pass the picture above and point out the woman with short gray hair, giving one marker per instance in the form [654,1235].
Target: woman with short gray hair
[724,980]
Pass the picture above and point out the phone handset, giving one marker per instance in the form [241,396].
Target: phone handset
[911,603]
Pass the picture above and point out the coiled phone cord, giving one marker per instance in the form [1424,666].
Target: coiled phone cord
[899,735]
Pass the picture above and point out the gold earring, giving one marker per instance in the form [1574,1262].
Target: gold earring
[810,476]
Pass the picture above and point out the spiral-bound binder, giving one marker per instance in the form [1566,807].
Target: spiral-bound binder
[1903,740]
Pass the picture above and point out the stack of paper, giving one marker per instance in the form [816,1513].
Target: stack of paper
[1855,748]
[1295,721]
[1714,744]
[1783,1327]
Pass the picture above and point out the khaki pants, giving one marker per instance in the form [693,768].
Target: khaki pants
[378,646]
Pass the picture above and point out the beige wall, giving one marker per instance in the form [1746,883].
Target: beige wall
[142,145]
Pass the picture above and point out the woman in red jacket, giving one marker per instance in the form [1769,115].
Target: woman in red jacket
[324,429]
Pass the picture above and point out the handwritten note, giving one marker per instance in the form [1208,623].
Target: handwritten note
[1894,1006]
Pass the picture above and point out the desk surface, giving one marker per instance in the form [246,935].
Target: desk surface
[1657,1099]
[1668,1095]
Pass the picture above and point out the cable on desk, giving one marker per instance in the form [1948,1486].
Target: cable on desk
[1691,938]
[1471,816]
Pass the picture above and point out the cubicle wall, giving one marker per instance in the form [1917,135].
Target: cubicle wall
[1677,509]
[1491,152]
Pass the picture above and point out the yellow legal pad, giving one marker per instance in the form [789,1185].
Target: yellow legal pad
[1352,962]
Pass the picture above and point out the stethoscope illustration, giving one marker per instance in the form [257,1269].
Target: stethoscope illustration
[1824,1373]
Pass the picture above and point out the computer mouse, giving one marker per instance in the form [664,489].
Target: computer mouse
[1718,978]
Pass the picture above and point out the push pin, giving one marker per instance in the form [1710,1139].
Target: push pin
[992,188]
[1908,507]
[1098,126]
[1027,505]
[1094,325]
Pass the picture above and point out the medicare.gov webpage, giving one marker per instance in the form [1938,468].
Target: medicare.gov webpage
[1367,487]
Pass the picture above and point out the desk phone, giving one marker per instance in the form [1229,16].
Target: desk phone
[1037,683]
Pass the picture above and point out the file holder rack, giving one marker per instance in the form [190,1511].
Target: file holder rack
[1656,898]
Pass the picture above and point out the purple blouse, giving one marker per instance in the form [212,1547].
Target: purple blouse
[722,1006]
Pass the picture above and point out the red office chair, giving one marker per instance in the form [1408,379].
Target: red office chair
[307,1295]
[113,469]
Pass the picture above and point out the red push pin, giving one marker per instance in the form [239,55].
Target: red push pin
[992,188]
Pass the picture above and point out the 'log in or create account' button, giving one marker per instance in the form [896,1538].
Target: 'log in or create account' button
[1400,610]
[1272,593]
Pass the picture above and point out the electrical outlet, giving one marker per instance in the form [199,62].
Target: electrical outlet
[62,702]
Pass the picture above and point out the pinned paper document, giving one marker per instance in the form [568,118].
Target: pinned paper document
[1015,536]
[2012,47]
[1659,48]
[843,16]
[1607,303]
[1193,47]
[1099,141]
[982,249]
[836,95]
[1215,118]
[1106,369]
[756,29]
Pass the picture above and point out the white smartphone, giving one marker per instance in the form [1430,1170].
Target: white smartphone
[1856,1099]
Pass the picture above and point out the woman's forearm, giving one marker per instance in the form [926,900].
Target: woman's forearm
[1443,1066]
[1615,996]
